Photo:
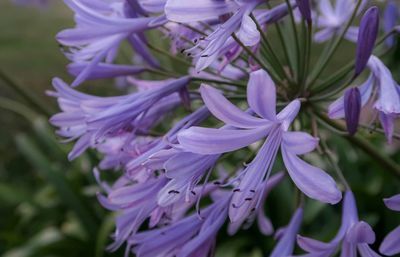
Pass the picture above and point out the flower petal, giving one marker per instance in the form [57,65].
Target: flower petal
[214,141]
[391,244]
[393,202]
[312,181]
[224,110]
[261,94]
[299,142]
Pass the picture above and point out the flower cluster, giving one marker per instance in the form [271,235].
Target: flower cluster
[174,193]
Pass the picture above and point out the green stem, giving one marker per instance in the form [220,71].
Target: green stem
[25,93]
[296,39]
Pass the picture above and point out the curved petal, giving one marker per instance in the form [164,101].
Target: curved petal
[391,244]
[393,202]
[224,110]
[261,94]
[299,142]
[214,141]
[289,113]
[361,232]
[312,181]
[366,251]
[314,246]
[248,32]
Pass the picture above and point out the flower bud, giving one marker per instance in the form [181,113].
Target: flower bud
[305,10]
[366,38]
[352,109]
[390,17]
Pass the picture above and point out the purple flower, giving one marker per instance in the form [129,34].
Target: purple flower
[352,109]
[190,236]
[353,235]
[368,32]
[248,129]
[257,210]
[332,19]
[390,18]
[287,241]
[384,88]
[98,33]
[91,119]
[391,244]
[105,70]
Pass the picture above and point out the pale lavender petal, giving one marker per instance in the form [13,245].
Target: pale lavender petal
[188,11]
[366,251]
[248,33]
[391,244]
[261,94]
[213,141]
[312,181]
[361,232]
[289,113]
[299,142]
[314,246]
[393,202]
[224,110]
[387,122]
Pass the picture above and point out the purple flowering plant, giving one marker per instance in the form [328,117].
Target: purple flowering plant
[223,102]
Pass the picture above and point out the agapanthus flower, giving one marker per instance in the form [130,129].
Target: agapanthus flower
[99,31]
[353,235]
[261,98]
[391,244]
[332,19]
[383,88]
[90,118]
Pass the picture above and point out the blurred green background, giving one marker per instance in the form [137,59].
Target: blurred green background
[48,205]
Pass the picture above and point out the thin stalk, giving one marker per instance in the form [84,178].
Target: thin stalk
[269,50]
[335,46]
[25,93]
[307,58]
[250,53]
[296,39]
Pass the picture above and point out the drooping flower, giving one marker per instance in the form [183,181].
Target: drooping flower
[90,119]
[248,129]
[391,244]
[384,88]
[190,236]
[99,31]
[353,235]
[332,19]
[367,34]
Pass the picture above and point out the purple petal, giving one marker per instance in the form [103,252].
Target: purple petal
[393,202]
[248,33]
[305,10]
[314,246]
[289,113]
[387,122]
[261,94]
[312,181]
[361,232]
[366,38]
[391,244]
[213,141]
[224,110]
[390,18]
[366,251]
[189,11]
[299,142]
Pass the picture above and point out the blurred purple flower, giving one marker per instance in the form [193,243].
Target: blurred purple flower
[353,235]
[391,18]
[305,10]
[261,97]
[391,244]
